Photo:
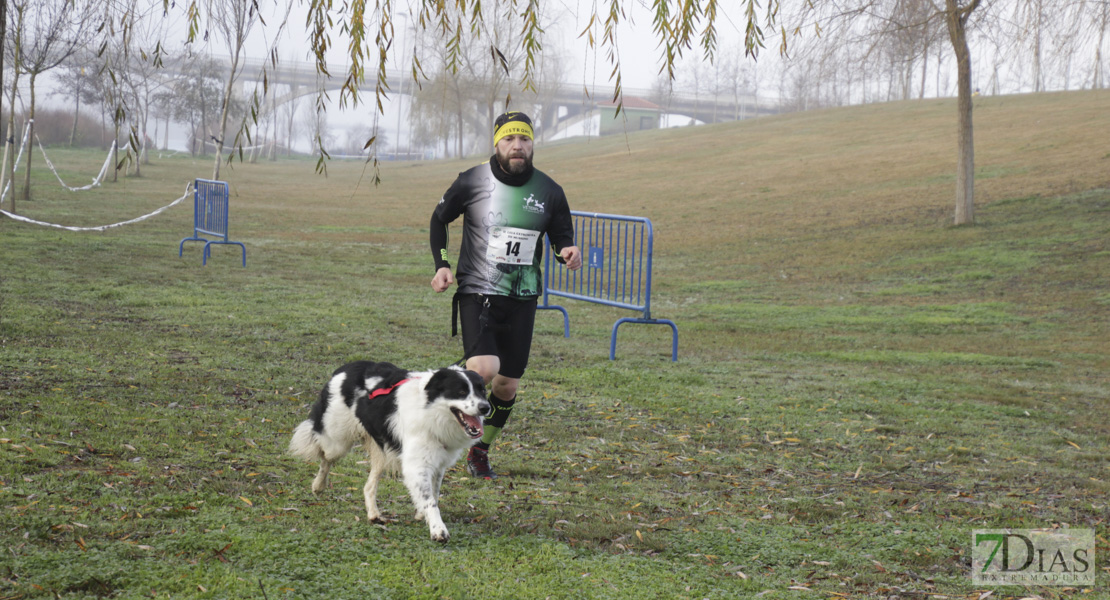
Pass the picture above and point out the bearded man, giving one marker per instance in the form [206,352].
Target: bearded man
[508,206]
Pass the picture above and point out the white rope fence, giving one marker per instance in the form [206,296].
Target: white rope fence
[95,183]
[188,188]
[19,160]
[96,180]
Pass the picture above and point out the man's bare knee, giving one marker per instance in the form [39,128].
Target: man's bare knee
[486,366]
[505,387]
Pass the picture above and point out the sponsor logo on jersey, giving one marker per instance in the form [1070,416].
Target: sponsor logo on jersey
[532,205]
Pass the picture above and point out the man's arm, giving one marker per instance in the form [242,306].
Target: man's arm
[561,233]
[438,238]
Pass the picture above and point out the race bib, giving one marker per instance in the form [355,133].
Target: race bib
[512,246]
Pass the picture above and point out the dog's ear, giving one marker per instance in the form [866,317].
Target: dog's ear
[446,383]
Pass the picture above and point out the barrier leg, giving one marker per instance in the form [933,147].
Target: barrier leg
[181,247]
[674,334]
[566,317]
[208,250]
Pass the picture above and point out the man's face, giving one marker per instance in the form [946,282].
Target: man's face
[514,153]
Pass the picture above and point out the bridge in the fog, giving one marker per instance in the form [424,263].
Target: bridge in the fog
[567,103]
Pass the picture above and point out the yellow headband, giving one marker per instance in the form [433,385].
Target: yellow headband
[513,128]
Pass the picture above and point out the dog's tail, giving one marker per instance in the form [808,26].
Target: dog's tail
[305,443]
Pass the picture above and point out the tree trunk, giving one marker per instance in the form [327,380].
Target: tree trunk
[956,18]
[274,121]
[145,159]
[223,114]
[30,143]
[10,151]
[223,128]
[459,137]
[1038,76]
[8,176]
[142,155]
[203,129]
[924,69]
[1097,82]
[76,116]
[3,44]
[115,150]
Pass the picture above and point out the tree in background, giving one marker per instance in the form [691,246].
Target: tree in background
[46,34]
[317,132]
[81,85]
[903,30]
[233,19]
[956,17]
[471,82]
[288,113]
[1100,22]
[194,98]
[121,19]
[142,82]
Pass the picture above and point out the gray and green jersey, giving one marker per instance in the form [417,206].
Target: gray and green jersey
[503,230]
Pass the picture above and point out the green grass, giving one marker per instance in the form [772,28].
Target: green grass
[859,387]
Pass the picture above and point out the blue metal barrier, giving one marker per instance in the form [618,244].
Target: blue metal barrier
[210,199]
[616,271]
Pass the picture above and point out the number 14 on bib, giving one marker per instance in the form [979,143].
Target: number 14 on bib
[509,245]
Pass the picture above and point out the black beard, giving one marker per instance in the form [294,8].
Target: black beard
[508,166]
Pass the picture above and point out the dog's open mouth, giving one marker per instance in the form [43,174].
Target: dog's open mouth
[471,425]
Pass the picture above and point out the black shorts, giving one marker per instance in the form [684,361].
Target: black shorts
[504,332]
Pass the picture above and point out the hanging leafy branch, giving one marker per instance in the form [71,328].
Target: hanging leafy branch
[678,25]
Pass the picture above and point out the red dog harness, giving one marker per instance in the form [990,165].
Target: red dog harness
[386,390]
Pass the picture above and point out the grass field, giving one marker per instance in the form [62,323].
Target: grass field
[860,385]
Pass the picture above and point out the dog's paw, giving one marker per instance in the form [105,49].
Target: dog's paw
[419,516]
[440,535]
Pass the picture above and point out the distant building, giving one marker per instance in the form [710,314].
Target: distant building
[636,114]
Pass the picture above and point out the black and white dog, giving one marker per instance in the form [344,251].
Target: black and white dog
[420,421]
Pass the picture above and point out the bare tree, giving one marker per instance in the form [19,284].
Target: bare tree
[470,80]
[141,81]
[436,109]
[957,13]
[1030,16]
[317,132]
[1100,22]
[48,33]
[3,46]
[114,57]
[80,84]
[233,19]
[288,111]
[900,27]
[195,98]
